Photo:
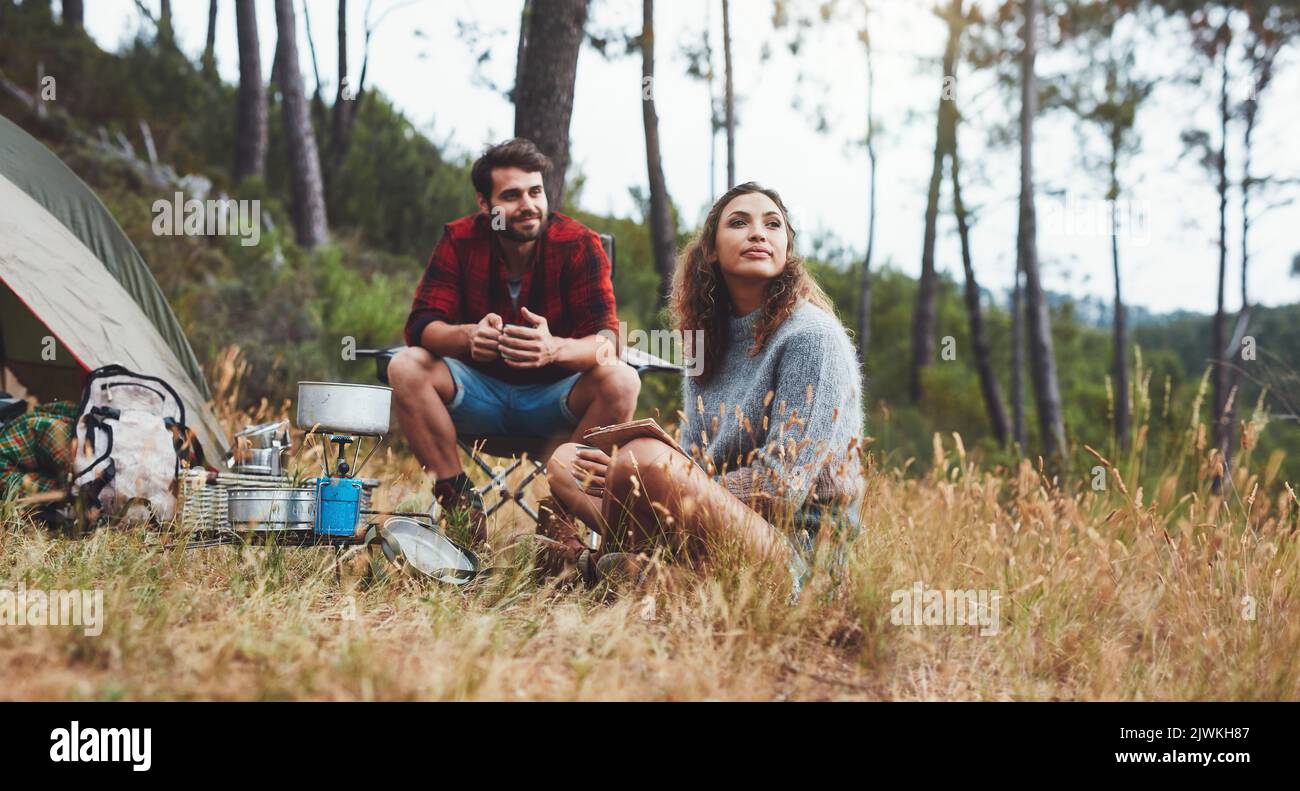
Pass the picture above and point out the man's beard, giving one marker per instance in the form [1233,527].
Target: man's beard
[515,235]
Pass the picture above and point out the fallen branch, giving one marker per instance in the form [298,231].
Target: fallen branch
[44,498]
[16,92]
[826,679]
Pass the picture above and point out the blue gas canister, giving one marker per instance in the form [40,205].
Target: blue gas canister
[338,507]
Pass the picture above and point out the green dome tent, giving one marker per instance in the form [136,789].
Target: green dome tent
[75,294]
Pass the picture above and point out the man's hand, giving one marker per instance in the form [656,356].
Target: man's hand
[529,347]
[484,338]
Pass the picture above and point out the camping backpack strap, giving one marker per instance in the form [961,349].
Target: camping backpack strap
[95,421]
[115,370]
[187,444]
[186,441]
[132,429]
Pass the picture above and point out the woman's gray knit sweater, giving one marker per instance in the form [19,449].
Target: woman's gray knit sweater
[786,422]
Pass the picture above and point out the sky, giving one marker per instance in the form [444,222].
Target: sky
[419,58]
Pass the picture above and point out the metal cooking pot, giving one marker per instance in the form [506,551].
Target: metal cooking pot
[271,508]
[344,408]
[265,435]
[261,449]
[260,461]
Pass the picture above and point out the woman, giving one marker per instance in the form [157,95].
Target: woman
[772,418]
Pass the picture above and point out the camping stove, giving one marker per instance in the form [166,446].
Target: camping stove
[342,414]
[339,493]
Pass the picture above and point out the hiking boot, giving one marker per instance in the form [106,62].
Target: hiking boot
[620,568]
[458,510]
[560,541]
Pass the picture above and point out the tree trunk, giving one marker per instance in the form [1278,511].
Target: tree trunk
[317,100]
[1120,362]
[307,191]
[341,89]
[166,33]
[544,100]
[1222,428]
[713,105]
[1232,349]
[74,14]
[250,142]
[342,110]
[729,97]
[979,342]
[209,59]
[275,64]
[1018,360]
[521,51]
[923,317]
[1042,359]
[663,236]
[347,101]
[864,283]
[1246,185]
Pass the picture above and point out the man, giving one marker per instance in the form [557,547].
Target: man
[502,336]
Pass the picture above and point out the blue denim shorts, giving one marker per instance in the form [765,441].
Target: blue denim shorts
[486,406]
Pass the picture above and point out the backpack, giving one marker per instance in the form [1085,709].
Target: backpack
[10,408]
[131,438]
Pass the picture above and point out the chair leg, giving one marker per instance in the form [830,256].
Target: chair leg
[523,487]
[474,457]
[497,483]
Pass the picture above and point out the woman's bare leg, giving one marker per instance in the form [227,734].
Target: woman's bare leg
[661,495]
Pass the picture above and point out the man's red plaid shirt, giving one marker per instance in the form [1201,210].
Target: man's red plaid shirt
[569,284]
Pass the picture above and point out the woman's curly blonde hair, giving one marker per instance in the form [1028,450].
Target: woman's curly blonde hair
[700,299]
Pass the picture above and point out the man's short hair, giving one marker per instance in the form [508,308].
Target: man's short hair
[517,152]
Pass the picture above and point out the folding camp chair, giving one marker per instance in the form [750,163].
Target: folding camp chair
[520,449]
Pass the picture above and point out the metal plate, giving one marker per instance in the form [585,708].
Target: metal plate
[426,551]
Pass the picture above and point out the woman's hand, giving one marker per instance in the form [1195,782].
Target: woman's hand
[589,467]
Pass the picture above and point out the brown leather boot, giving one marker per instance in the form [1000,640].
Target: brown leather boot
[564,545]
[461,515]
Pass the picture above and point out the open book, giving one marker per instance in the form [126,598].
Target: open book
[606,437]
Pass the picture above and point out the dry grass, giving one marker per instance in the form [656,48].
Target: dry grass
[1116,594]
